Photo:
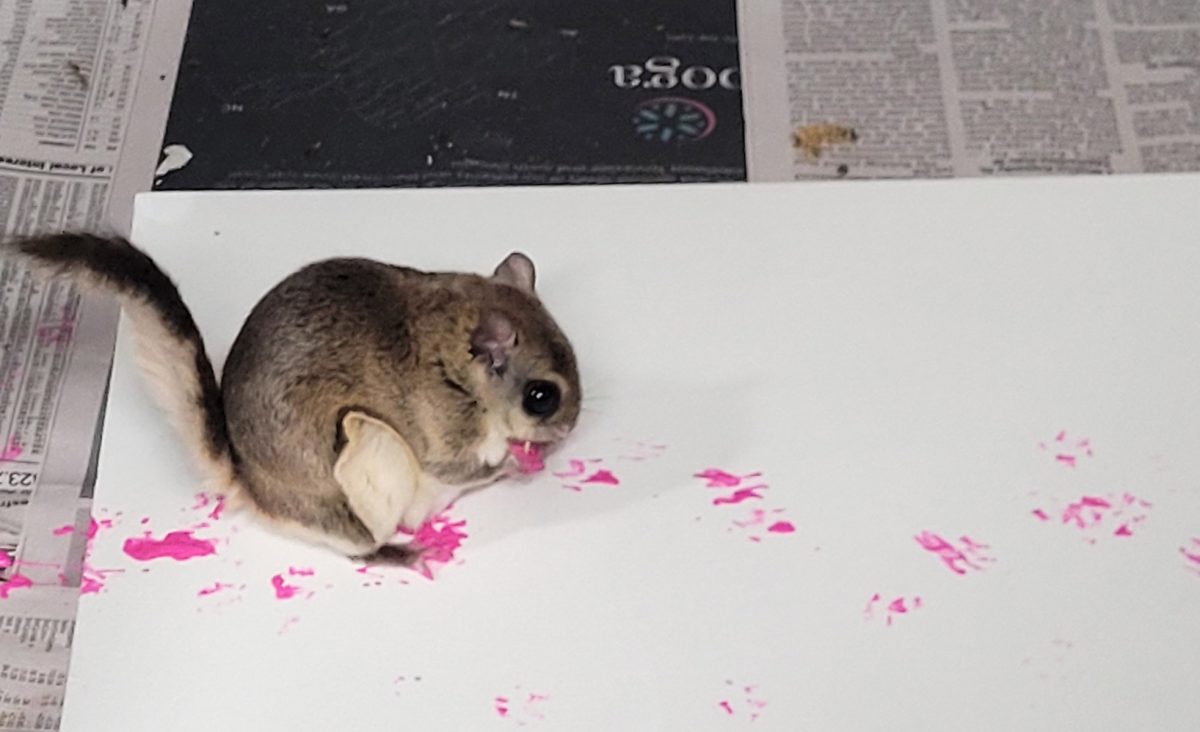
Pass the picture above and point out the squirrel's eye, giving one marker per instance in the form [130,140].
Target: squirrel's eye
[541,398]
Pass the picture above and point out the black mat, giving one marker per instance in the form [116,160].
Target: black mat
[394,93]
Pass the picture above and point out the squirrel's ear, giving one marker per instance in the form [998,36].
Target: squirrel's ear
[493,340]
[516,271]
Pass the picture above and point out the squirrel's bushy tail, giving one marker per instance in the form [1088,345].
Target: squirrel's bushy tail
[170,350]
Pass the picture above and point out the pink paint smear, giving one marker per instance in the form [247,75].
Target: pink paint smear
[203,501]
[760,519]
[581,472]
[12,450]
[93,579]
[741,494]
[1067,452]
[575,468]
[894,608]
[214,589]
[967,555]
[177,545]
[94,526]
[717,478]
[1191,556]
[1116,515]
[438,540]
[14,582]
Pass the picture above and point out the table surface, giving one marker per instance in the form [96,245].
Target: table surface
[952,440]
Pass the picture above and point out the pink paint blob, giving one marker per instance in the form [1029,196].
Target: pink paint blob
[64,530]
[13,583]
[741,494]
[1068,460]
[528,455]
[301,571]
[501,705]
[90,585]
[1123,530]
[781,527]
[6,559]
[1042,515]
[13,449]
[283,591]
[218,509]
[177,545]
[604,477]
[726,706]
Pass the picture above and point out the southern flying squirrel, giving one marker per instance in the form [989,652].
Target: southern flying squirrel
[358,397]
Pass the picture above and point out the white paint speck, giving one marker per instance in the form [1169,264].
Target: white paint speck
[174,158]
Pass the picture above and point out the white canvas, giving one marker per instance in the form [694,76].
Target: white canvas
[1013,364]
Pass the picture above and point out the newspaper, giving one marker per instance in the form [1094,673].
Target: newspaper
[940,88]
[80,82]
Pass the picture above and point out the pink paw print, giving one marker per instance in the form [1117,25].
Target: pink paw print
[1067,451]
[889,610]
[961,557]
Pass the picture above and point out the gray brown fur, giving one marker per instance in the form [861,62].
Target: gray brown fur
[435,356]
[393,342]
